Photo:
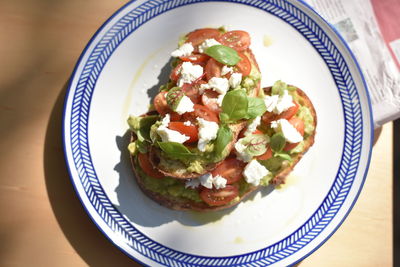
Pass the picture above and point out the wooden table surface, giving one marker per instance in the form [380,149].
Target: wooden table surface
[42,221]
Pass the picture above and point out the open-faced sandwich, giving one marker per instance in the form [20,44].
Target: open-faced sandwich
[213,135]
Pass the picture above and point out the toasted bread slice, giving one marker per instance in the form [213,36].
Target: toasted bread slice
[180,203]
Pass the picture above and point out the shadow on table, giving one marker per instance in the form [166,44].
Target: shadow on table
[75,223]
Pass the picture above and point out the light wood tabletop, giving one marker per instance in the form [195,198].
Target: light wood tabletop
[42,221]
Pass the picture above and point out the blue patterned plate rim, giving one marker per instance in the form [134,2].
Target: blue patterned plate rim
[274,253]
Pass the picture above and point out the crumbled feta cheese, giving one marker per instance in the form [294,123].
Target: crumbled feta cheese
[168,135]
[220,85]
[252,126]
[206,180]
[220,98]
[219,182]
[278,104]
[183,51]
[189,73]
[192,183]
[288,130]
[203,87]
[235,80]
[184,105]
[187,123]
[225,70]
[241,151]
[271,102]
[254,172]
[207,132]
[206,44]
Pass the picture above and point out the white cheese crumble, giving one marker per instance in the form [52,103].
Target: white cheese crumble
[187,123]
[220,85]
[206,180]
[235,80]
[252,126]
[168,135]
[189,73]
[279,104]
[241,151]
[225,70]
[183,51]
[254,172]
[219,182]
[288,130]
[192,183]
[207,132]
[184,105]
[206,44]
[220,98]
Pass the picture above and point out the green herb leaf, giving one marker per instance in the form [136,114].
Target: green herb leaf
[278,88]
[224,136]
[175,150]
[234,106]
[225,55]
[278,142]
[173,97]
[284,156]
[256,144]
[256,107]
[272,164]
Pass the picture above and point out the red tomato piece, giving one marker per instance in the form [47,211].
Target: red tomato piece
[188,130]
[299,125]
[161,105]
[219,197]
[209,99]
[198,36]
[290,112]
[192,91]
[231,169]
[202,112]
[266,155]
[175,73]
[147,167]
[212,69]
[244,65]
[238,40]
[196,58]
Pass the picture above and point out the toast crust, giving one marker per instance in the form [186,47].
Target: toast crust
[185,204]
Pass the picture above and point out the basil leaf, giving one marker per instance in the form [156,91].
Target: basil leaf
[173,97]
[278,88]
[256,144]
[284,156]
[224,136]
[256,107]
[272,164]
[223,54]
[141,126]
[278,142]
[234,106]
[175,150]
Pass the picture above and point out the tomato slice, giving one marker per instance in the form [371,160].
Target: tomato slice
[244,65]
[198,36]
[299,125]
[160,104]
[212,69]
[210,100]
[147,167]
[238,40]
[188,130]
[202,112]
[175,73]
[192,91]
[266,155]
[196,58]
[219,197]
[290,112]
[231,169]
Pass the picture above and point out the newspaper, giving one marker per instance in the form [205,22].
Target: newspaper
[356,22]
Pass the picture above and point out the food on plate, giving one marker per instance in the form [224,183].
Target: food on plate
[213,135]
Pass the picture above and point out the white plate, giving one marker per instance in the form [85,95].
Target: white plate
[121,69]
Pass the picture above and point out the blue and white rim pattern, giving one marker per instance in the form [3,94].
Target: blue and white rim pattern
[149,248]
